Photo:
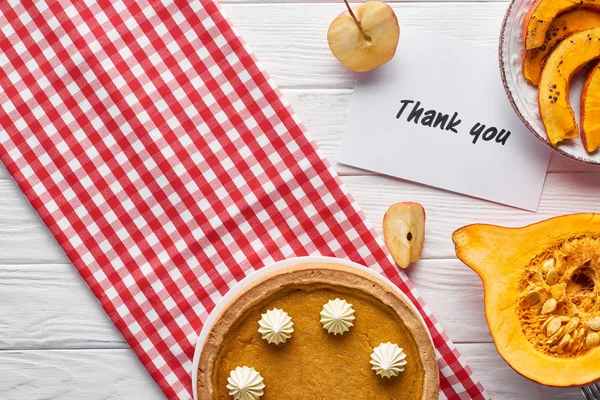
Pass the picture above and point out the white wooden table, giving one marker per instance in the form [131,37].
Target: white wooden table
[56,342]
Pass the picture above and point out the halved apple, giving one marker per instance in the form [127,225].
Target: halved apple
[364,37]
[541,15]
[404,232]
[590,111]
[563,26]
[553,97]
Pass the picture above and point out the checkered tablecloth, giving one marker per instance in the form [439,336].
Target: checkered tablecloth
[168,166]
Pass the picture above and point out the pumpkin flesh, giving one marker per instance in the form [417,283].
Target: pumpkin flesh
[542,14]
[512,263]
[563,26]
[553,95]
[590,111]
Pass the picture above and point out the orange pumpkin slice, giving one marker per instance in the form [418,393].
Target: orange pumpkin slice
[590,111]
[564,25]
[541,296]
[569,56]
[538,20]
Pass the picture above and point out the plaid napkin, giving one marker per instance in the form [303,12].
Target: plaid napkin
[168,166]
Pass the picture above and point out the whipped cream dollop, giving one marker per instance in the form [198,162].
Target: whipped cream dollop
[245,383]
[275,326]
[337,316]
[388,360]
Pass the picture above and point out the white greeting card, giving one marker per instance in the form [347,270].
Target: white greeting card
[438,114]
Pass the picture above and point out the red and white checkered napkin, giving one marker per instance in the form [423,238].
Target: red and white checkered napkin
[168,166]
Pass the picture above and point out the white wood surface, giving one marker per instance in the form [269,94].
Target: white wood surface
[56,342]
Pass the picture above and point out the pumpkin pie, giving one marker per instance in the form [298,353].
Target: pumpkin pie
[314,363]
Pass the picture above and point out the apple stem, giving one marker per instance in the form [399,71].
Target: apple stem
[355,19]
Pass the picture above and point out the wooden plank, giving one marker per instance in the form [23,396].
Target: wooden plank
[67,374]
[291,39]
[24,239]
[23,236]
[455,295]
[116,374]
[49,306]
[502,382]
[564,193]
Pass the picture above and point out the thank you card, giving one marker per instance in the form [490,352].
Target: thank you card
[437,114]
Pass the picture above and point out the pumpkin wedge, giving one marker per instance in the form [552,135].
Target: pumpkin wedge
[553,95]
[542,288]
[564,25]
[590,111]
[542,14]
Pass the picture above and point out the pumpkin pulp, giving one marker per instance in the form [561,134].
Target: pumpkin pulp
[590,111]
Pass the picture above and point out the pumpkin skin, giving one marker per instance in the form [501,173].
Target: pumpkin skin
[553,95]
[563,26]
[499,256]
[590,111]
[541,15]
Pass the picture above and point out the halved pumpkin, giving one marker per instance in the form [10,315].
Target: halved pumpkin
[564,25]
[553,96]
[590,111]
[541,15]
[542,288]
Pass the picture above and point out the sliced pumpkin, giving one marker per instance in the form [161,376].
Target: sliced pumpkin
[553,95]
[590,111]
[542,14]
[542,294]
[564,25]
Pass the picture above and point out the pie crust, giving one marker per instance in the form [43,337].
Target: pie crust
[226,339]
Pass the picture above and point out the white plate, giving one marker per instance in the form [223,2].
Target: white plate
[254,276]
[523,96]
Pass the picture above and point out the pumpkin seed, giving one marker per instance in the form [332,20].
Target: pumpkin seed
[564,341]
[573,343]
[592,340]
[576,334]
[548,264]
[581,335]
[564,318]
[533,297]
[561,267]
[553,326]
[556,337]
[578,345]
[594,323]
[552,278]
[571,325]
[549,306]
[545,324]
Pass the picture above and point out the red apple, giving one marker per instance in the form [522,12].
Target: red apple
[404,232]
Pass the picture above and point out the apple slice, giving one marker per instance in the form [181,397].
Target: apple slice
[404,232]
[364,37]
